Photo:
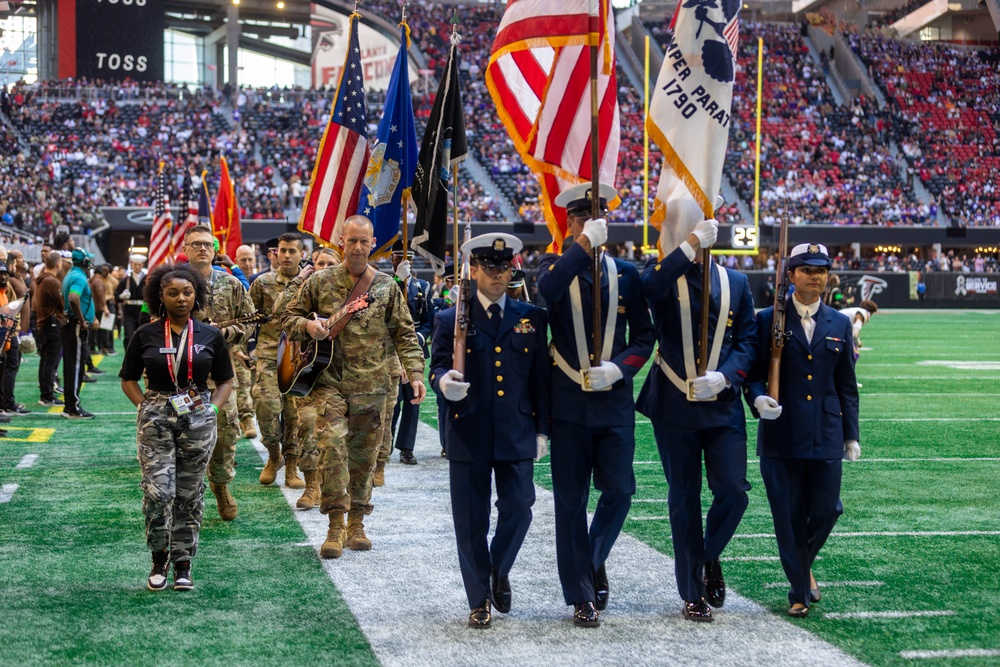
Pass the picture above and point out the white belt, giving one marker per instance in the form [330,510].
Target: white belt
[579,332]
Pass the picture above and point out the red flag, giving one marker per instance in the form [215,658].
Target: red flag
[161,246]
[226,216]
[539,78]
[335,186]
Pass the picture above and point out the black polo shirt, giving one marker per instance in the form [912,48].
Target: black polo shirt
[211,357]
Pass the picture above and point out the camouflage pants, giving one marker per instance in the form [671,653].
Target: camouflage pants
[173,455]
[272,407]
[385,444]
[242,389]
[220,468]
[347,434]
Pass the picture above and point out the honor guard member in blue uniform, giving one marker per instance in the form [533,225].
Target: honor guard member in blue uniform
[696,416]
[448,297]
[418,298]
[806,433]
[593,409]
[497,421]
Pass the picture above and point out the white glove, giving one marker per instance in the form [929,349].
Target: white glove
[605,375]
[541,446]
[767,407]
[707,232]
[403,271]
[597,231]
[126,294]
[852,450]
[708,385]
[454,294]
[452,386]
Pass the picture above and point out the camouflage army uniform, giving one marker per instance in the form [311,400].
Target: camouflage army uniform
[244,382]
[267,294]
[346,404]
[173,452]
[227,300]
[385,445]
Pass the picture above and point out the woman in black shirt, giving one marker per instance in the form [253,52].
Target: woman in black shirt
[177,415]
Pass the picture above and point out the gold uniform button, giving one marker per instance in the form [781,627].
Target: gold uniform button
[499,378]
[809,398]
[500,393]
[497,364]
[809,357]
[525,349]
[809,377]
[497,349]
[456,415]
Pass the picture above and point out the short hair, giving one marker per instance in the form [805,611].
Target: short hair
[360,220]
[52,261]
[870,306]
[292,237]
[167,272]
[198,229]
[60,241]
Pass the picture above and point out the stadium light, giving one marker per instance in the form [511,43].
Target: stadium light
[281,5]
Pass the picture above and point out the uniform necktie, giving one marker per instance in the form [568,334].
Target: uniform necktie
[808,324]
[494,311]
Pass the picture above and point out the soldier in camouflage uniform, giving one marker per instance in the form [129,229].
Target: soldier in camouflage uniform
[174,447]
[244,381]
[347,400]
[227,300]
[391,396]
[279,440]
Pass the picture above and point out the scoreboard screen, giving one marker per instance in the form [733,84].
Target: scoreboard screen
[118,39]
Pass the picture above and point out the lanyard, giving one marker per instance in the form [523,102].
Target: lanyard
[175,359]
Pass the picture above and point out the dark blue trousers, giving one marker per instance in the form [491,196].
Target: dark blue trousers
[804,495]
[577,452]
[408,415]
[471,491]
[725,452]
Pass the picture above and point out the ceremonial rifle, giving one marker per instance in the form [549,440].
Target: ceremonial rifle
[462,310]
[778,333]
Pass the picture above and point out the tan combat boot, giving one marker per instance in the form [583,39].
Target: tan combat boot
[378,477]
[333,547]
[356,538]
[292,479]
[274,462]
[225,501]
[311,497]
[248,429]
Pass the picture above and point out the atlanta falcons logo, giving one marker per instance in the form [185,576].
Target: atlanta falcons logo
[870,286]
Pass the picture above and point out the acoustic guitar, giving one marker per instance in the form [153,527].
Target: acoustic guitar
[300,363]
[253,318]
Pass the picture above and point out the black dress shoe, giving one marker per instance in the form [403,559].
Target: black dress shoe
[501,591]
[96,371]
[407,457]
[480,617]
[87,378]
[585,615]
[715,585]
[697,611]
[601,589]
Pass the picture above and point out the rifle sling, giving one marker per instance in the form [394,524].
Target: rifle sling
[359,288]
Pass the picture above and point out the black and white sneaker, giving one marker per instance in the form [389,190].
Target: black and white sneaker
[96,371]
[182,576]
[53,402]
[158,574]
[82,414]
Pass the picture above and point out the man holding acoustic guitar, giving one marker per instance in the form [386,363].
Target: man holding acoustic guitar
[350,310]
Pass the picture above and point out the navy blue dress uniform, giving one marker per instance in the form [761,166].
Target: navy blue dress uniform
[493,430]
[802,446]
[593,432]
[439,304]
[418,298]
[686,429]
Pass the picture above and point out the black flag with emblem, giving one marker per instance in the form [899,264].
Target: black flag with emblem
[443,146]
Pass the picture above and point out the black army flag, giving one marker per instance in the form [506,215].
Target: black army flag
[443,146]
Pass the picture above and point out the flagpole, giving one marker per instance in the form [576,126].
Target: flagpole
[405,197]
[454,168]
[595,189]
[760,87]
[645,153]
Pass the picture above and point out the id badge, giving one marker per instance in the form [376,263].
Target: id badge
[186,402]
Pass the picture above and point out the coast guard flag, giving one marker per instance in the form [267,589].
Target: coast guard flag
[393,159]
[689,115]
[539,79]
[335,186]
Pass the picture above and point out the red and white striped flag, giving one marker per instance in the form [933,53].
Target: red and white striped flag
[539,78]
[335,186]
[192,192]
[161,246]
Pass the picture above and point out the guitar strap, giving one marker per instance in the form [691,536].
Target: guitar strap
[360,288]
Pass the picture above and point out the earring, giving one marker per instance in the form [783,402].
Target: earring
[162,311]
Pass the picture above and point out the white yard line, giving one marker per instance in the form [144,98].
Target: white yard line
[951,653]
[7,492]
[830,584]
[890,419]
[927,533]
[415,612]
[887,614]
[27,461]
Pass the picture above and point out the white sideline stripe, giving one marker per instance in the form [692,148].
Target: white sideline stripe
[829,584]
[27,461]
[7,492]
[930,459]
[891,419]
[754,558]
[928,533]
[412,525]
[951,653]
[887,614]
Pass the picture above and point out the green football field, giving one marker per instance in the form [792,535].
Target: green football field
[910,570]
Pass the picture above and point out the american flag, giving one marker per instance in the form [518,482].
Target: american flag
[335,186]
[191,191]
[161,247]
[539,78]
